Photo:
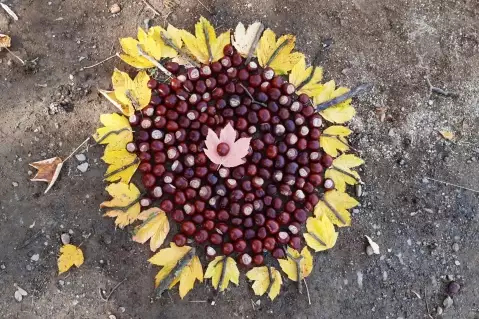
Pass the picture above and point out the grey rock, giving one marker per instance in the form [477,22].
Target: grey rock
[448,302]
[83,167]
[80,157]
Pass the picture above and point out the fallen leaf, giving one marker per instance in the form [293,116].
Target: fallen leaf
[48,171]
[277,53]
[154,228]
[237,150]
[169,258]
[125,205]
[448,135]
[244,38]
[289,266]
[321,234]
[122,165]
[204,45]
[340,113]
[335,205]
[129,95]
[374,246]
[215,271]
[333,140]
[306,80]
[116,131]
[69,255]
[341,173]
[266,280]
[5,41]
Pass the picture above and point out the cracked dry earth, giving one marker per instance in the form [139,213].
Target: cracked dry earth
[427,231]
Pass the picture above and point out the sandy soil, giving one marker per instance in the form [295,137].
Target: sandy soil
[393,44]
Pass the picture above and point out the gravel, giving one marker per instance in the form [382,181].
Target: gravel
[83,167]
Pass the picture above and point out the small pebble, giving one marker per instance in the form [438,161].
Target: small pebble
[65,238]
[29,267]
[80,157]
[455,247]
[35,257]
[121,309]
[115,8]
[457,263]
[14,184]
[83,167]
[453,288]
[447,302]
[2,266]
[61,282]
[369,251]
[439,310]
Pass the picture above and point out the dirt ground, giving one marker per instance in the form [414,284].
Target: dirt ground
[427,231]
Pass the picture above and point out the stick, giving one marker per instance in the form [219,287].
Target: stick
[307,291]
[208,44]
[120,169]
[156,63]
[112,132]
[205,7]
[182,263]
[276,52]
[434,89]
[114,288]
[101,62]
[76,149]
[297,261]
[179,50]
[223,272]
[251,97]
[124,208]
[335,212]
[342,142]
[254,44]
[451,184]
[270,275]
[23,62]
[346,96]
[151,8]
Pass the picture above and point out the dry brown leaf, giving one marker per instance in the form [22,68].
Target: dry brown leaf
[5,41]
[48,171]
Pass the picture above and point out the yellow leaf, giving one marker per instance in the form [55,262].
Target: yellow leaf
[341,173]
[204,45]
[155,228]
[277,54]
[130,94]
[265,281]
[333,140]
[5,41]
[125,204]
[448,135]
[169,258]
[290,267]
[69,255]
[154,45]
[122,164]
[335,205]
[215,269]
[306,80]
[244,38]
[321,233]
[339,113]
[131,54]
[116,131]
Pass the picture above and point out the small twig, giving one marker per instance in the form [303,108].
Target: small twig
[254,44]
[120,169]
[101,62]
[111,133]
[151,8]
[271,279]
[346,96]
[223,272]
[427,305]
[113,290]
[335,212]
[251,97]
[76,149]
[19,59]
[198,301]
[211,12]
[156,63]
[208,44]
[28,241]
[181,52]
[342,142]
[345,173]
[175,272]
[451,184]
[297,261]
[307,291]
[127,207]
[434,89]
[9,11]
[277,51]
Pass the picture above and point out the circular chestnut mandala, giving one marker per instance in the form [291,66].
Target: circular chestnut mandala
[240,160]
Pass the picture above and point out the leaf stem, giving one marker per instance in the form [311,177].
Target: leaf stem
[317,239]
[297,261]
[118,170]
[127,207]
[307,80]
[208,44]
[76,149]
[156,63]
[254,44]
[345,173]
[346,96]
[223,273]
[179,50]
[276,51]
[175,272]
[335,212]
[270,275]
[341,141]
